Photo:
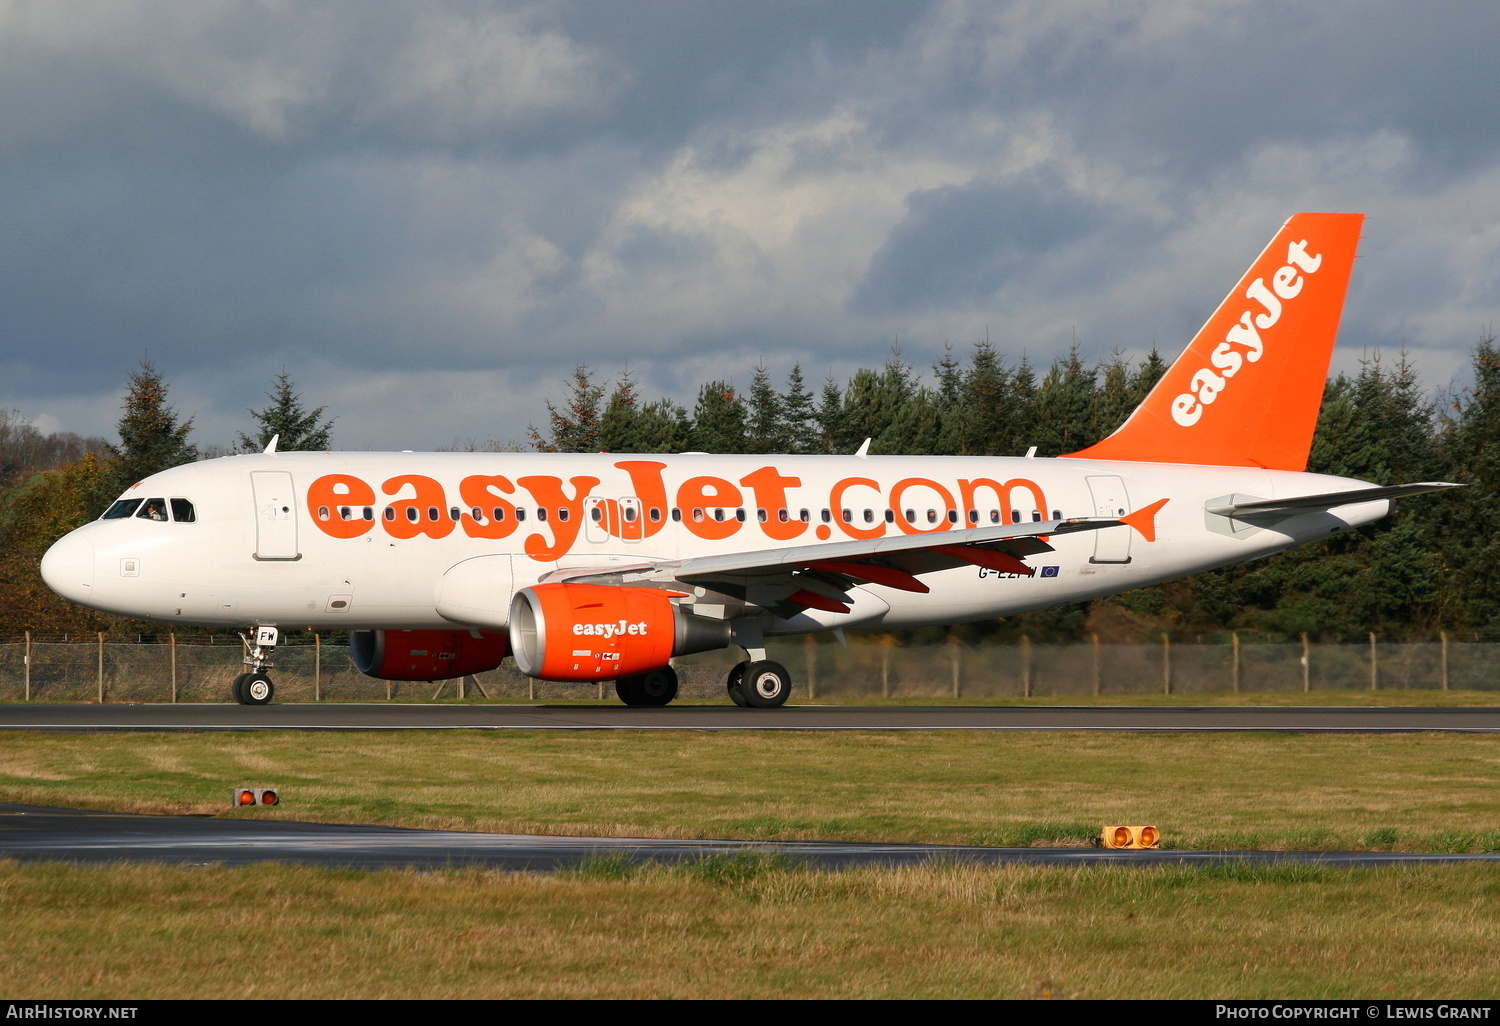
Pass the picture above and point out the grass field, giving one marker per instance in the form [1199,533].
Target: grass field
[756,927]
[750,928]
[1419,792]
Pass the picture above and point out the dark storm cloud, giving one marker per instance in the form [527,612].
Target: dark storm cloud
[960,244]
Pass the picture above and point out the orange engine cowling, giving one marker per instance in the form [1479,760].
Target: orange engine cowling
[585,632]
[426,655]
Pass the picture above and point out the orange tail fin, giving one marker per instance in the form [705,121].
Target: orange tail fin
[1246,391]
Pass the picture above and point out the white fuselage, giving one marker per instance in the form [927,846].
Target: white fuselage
[342,541]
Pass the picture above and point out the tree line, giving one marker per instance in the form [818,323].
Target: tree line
[1427,568]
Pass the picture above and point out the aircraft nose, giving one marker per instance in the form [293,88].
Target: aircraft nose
[68,567]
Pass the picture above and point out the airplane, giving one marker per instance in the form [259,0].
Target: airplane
[595,567]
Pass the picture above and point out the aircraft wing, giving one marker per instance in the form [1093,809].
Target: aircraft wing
[1327,500]
[819,575]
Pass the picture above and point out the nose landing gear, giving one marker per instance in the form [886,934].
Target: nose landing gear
[255,687]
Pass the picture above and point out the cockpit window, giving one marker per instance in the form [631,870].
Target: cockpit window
[153,509]
[121,509]
[183,512]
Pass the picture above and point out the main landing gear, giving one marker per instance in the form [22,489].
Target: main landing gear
[759,683]
[655,687]
[255,687]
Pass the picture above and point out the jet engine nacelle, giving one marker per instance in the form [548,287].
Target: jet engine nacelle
[426,655]
[585,632]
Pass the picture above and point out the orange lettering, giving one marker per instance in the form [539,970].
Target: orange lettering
[919,482]
[770,495]
[482,492]
[968,490]
[564,514]
[333,491]
[415,516]
[646,484]
[708,494]
[836,500]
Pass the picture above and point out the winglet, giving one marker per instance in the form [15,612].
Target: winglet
[1144,519]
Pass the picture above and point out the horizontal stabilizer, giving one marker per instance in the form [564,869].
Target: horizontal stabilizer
[1327,500]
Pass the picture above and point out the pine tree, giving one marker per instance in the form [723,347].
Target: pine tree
[576,428]
[766,430]
[151,439]
[832,430]
[662,426]
[295,429]
[618,427]
[718,419]
[1064,407]
[798,415]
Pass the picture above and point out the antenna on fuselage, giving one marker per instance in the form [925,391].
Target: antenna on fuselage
[864,450]
[271,445]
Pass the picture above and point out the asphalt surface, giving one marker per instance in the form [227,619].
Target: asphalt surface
[89,718]
[29,832]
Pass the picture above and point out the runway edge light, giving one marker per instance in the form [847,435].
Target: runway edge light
[244,797]
[1130,837]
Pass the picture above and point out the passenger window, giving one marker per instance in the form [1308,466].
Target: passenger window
[677,514]
[739,514]
[804,516]
[762,516]
[324,513]
[1057,514]
[153,509]
[369,513]
[932,516]
[120,509]
[630,514]
[890,516]
[499,512]
[1036,516]
[183,512]
[412,514]
[521,513]
[596,514]
[973,516]
[541,512]
[655,514]
[953,516]
[994,516]
[869,516]
[390,513]
[827,516]
[562,513]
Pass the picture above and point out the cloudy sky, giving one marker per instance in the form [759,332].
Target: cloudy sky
[427,213]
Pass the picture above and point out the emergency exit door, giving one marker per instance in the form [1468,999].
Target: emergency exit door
[275,515]
[1111,545]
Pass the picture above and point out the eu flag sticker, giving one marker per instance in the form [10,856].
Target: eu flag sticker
[1049,571]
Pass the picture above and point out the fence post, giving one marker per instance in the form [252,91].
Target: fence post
[810,665]
[172,647]
[1025,666]
[317,667]
[1374,665]
[101,667]
[1234,644]
[461,682]
[885,667]
[1306,665]
[1094,644]
[1166,664]
[1443,635]
[957,656]
[27,661]
[531,689]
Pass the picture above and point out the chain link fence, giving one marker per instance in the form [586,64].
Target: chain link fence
[870,666]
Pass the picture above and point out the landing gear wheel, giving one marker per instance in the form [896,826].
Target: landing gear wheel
[735,685]
[237,689]
[257,689]
[655,687]
[766,684]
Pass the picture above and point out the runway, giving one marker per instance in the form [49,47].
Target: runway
[91,718]
[32,833]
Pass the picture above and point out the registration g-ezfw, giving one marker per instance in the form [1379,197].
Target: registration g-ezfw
[604,566]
